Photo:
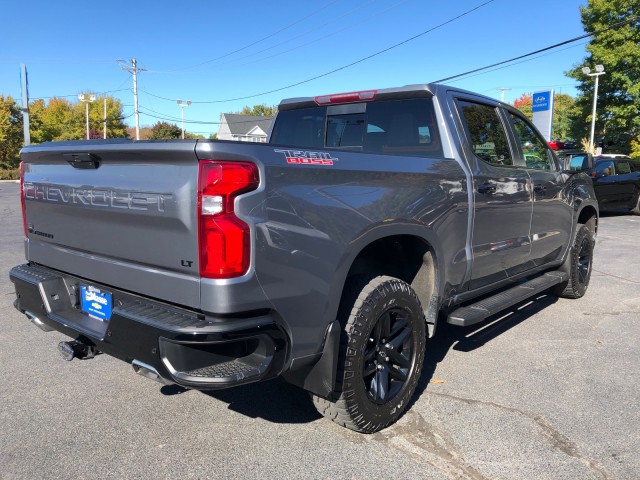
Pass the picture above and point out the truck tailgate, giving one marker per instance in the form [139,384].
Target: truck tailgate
[117,213]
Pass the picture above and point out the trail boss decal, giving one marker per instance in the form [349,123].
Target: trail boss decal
[301,157]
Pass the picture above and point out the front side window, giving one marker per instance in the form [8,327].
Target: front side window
[535,150]
[486,133]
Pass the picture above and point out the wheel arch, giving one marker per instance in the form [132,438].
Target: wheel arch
[374,254]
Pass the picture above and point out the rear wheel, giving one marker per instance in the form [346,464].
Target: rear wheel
[578,265]
[382,352]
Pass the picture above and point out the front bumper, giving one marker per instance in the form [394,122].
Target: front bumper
[185,347]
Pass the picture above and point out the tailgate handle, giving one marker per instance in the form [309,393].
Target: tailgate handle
[82,160]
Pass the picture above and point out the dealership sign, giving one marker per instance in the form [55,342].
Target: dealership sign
[542,107]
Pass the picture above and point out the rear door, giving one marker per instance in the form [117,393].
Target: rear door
[502,212]
[117,213]
[627,182]
[552,212]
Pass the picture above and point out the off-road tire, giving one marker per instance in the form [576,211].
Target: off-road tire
[381,354]
[578,265]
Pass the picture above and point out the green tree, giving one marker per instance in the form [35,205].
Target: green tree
[618,113]
[11,133]
[116,128]
[563,106]
[165,130]
[260,110]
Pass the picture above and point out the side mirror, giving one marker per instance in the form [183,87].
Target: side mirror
[578,162]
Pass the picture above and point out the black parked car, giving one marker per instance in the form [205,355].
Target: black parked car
[616,181]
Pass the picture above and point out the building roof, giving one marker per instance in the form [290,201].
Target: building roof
[244,124]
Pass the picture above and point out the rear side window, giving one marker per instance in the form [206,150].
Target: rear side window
[486,133]
[400,127]
[303,127]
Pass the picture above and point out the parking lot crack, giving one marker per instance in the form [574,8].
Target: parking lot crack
[616,276]
[429,444]
[548,433]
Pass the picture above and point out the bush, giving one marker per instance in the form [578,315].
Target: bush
[13,174]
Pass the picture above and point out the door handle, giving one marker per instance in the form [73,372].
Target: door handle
[487,188]
[539,188]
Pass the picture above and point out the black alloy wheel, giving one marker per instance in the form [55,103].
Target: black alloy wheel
[388,356]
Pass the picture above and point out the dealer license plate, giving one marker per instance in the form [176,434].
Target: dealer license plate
[95,302]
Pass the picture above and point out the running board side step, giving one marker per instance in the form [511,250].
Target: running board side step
[477,312]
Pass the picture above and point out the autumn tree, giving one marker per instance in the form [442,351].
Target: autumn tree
[524,104]
[11,133]
[618,50]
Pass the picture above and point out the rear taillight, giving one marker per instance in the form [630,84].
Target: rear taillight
[363,96]
[24,213]
[224,240]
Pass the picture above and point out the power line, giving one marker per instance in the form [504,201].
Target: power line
[176,119]
[380,52]
[324,35]
[523,61]
[75,94]
[550,47]
[250,44]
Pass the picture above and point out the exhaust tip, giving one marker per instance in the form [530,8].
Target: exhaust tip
[37,322]
[147,371]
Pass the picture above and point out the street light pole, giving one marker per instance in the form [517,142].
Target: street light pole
[87,101]
[182,105]
[599,71]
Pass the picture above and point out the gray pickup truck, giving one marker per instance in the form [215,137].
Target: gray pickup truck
[326,256]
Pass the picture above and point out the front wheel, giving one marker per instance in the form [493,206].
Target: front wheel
[578,265]
[382,351]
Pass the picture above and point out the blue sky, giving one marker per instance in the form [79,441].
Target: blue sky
[217,51]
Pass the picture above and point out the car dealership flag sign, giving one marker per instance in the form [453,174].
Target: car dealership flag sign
[542,107]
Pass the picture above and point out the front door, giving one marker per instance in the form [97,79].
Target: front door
[552,212]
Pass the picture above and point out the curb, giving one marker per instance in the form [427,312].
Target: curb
[9,181]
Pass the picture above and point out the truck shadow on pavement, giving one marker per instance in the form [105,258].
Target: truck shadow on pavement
[274,400]
[467,339]
[280,402]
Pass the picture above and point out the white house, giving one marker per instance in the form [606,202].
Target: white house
[243,128]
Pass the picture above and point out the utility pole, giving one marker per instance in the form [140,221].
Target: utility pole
[87,101]
[133,69]
[24,86]
[105,118]
[182,105]
[502,89]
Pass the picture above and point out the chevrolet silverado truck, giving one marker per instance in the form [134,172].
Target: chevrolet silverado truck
[326,256]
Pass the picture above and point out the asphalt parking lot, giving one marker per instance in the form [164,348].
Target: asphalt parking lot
[548,390]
